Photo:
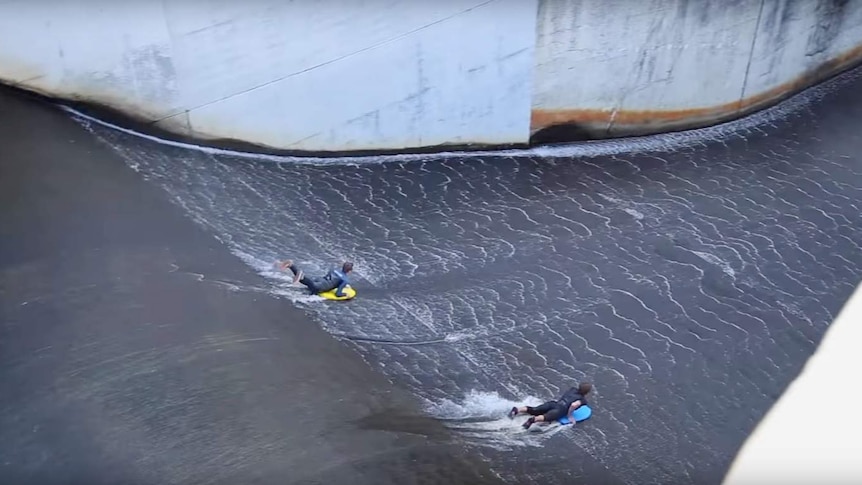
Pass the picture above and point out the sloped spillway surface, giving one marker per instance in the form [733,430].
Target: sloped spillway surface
[688,276]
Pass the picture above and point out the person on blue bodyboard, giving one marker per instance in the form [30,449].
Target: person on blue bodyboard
[332,280]
[551,411]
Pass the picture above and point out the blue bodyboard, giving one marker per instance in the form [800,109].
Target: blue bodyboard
[582,413]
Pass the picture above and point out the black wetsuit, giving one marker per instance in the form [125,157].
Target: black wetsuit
[332,280]
[554,410]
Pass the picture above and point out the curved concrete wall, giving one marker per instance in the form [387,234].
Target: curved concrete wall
[394,74]
[305,75]
[620,67]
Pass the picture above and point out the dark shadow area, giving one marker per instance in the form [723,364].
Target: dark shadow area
[564,133]
[134,348]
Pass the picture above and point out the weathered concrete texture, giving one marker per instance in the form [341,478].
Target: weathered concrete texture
[829,451]
[289,75]
[616,68]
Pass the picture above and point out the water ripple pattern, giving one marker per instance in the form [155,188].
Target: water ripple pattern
[688,278]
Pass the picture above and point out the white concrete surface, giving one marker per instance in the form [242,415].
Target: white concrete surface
[646,55]
[813,434]
[310,75]
[119,56]
[660,61]
[319,75]
[795,36]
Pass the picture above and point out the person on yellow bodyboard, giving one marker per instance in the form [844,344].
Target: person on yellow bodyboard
[334,285]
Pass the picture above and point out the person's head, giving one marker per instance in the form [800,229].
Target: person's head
[584,388]
[347,267]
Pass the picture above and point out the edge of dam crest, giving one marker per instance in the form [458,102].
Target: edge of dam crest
[656,143]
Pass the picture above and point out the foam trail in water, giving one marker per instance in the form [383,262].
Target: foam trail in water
[476,405]
[482,418]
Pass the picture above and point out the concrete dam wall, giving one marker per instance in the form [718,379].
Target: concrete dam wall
[621,67]
[401,74]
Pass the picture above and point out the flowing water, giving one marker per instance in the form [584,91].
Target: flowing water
[687,275]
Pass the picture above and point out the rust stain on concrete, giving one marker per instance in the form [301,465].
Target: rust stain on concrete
[598,123]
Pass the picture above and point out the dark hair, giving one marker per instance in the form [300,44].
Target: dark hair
[584,388]
[347,267]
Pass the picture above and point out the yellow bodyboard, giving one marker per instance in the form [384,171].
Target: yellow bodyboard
[349,293]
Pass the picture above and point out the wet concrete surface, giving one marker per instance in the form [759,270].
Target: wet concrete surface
[688,276]
[129,352]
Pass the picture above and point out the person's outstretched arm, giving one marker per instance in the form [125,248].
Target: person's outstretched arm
[575,405]
[339,292]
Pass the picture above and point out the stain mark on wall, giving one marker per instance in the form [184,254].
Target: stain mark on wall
[830,17]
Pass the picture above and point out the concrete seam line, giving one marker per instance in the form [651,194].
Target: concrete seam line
[750,55]
[325,63]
